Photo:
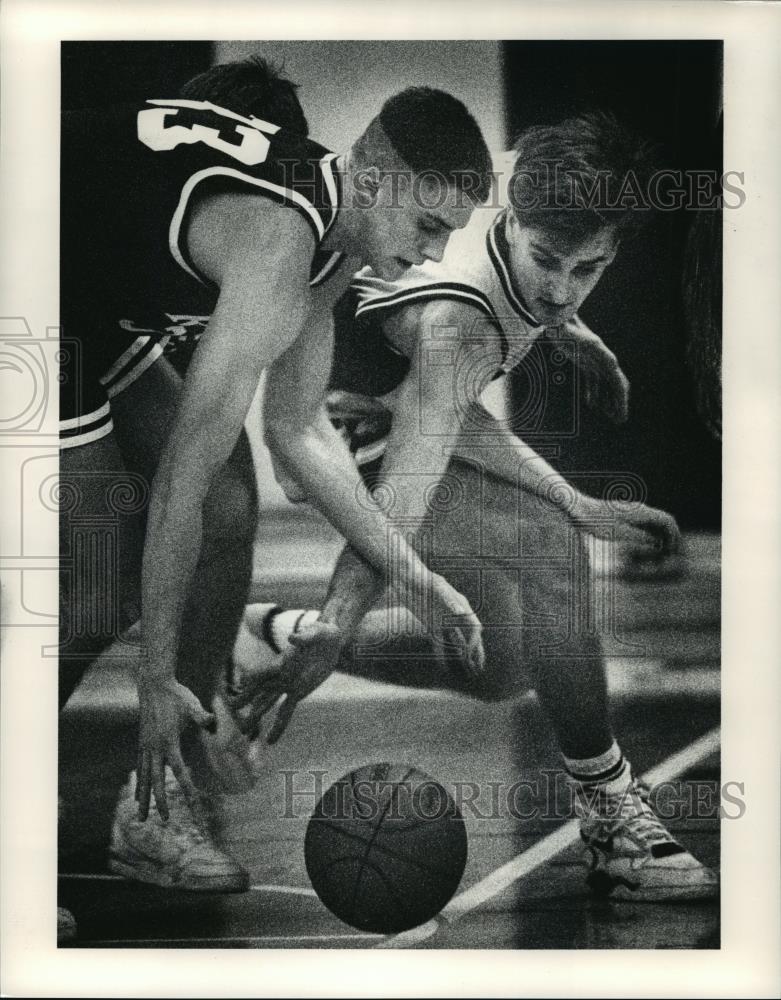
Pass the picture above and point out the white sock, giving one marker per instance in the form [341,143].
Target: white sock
[609,772]
[282,624]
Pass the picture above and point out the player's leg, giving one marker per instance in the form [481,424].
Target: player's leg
[518,578]
[522,566]
[524,569]
[143,415]
[99,532]
[181,852]
[100,540]
[559,648]
[631,854]
[101,535]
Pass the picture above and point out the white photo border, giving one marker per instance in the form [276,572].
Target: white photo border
[748,961]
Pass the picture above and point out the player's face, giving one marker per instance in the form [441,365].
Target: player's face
[412,224]
[554,275]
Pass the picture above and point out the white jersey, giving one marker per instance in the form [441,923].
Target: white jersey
[475,269]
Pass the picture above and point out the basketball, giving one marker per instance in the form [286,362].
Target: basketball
[385,848]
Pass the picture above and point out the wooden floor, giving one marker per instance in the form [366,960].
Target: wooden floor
[523,887]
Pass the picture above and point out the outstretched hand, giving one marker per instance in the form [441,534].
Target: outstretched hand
[164,704]
[456,624]
[312,658]
[653,529]
[645,528]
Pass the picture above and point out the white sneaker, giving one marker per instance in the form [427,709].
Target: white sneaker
[66,925]
[633,856]
[253,655]
[233,758]
[254,659]
[233,754]
[180,853]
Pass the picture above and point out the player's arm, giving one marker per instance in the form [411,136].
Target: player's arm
[426,422]
[499,451]
[503,454]
[306,445]
[260,255]
[429,406]
[424,428]
[602,382]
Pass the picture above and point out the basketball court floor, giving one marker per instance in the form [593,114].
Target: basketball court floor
[523,887]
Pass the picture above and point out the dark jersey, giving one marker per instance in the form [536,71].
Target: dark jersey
[129,180]
[364,360]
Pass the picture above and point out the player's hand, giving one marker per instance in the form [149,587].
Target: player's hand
[648,528]
[649,531]
[315,652]
[456,624]
[604,384]
[164,704]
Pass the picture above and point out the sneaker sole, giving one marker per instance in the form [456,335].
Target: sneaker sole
[607,887]
[238,882]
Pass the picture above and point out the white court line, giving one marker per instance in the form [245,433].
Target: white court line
[545,849]
[488,887]
[91,877]
[291,890]
[276,938]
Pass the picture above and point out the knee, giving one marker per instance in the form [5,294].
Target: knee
[488,689]
[500,681]
[230,510]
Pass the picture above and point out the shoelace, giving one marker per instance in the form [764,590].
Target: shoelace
[182,818]
[191,833]
[633,812]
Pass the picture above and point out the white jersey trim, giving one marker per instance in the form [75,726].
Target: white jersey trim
[503,274]
[327,167]
[370,452]
[95,435]
[137,370]
[138,345]
[85,418]
[96,424]
[432,291]
[330,266]
[176,221]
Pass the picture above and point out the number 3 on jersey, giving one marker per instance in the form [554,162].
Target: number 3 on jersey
[245,139]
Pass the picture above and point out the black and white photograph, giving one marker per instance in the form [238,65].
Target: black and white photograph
[377,440]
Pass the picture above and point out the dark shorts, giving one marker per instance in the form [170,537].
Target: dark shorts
[96,367]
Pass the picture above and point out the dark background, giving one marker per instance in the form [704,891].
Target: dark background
[99,74]
[668,91]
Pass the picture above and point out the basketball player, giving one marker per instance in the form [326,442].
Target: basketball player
[173,212]
[410,367]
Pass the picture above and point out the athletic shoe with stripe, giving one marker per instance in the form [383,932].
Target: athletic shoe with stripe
[180,853]
[632,855]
